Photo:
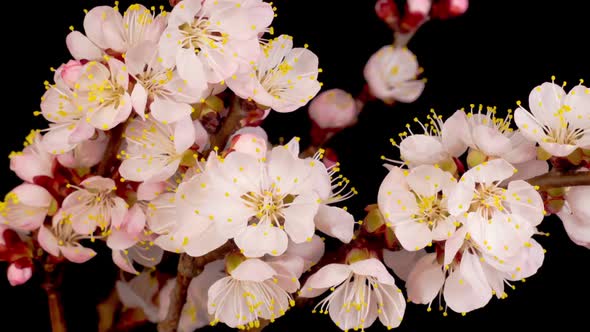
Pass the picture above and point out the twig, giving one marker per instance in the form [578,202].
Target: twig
[51,285]
[115,141]
[558,180]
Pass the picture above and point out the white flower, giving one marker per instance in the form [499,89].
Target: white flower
[62,239]
[391,75]
[106,30]
[155,150]
[415,202]
[95,204]
[283,78]
[560,123]
[33,160]
[498,220]
[334,108]
[361,292]
[138,293]
[25,207]
[169,97]
[210,39]
[249,293]
[576,215]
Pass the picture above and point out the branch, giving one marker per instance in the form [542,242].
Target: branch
[110,154]
[188,268]
[50,285]
[558,180]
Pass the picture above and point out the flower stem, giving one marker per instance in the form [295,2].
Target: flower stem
[558,180]
[51,285]
[106,166]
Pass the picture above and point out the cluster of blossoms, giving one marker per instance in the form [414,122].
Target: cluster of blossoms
[153,146]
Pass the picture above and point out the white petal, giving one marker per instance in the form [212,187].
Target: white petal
[425,280]
[373,267]
[335,222]
[81,47]
[328,276]
[402,261]
[253,270]
[256,241]
[413,235]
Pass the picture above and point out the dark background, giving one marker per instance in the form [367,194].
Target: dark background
[494,55]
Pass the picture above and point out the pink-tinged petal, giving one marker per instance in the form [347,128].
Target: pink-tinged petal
[28,165]
[148,256]
[578,99]
[286,269]
[48,241]
[169,111]
[427,180]
[529,169]
[184,134]
[253,270]
[407,92]
[56,140]
[98,183]
[81,47]
[33,195]
[528,261]
[525,201]
[413,235]
[422,150]
[201,135]
[118,211]
[121,240]
[522,149]
[490,141]
[208,240]
[328,276]
[544,102]
[393,306]
[577,200]
[299,217]
[471,269]
[576,228]
[394,181]
[335,222]
[491,171]
[77,253]
[425,280]
[18,276]
[94,22]
[529,126]
[444,229]
[398,206]
[454,132]
[190,68]
[147,191]
[112,33]
[194,313]
[257,241]
[139,99]
[460,296]
[402,261]
[373,267]
[558,150]
[134,220]
[82,132]
[184,12]
[122,261]
[461,196]
[453,244]
[311,251]
[138,293]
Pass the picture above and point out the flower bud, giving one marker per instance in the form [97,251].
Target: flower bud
[70,72]
[374,220]
[250,144]
[475,157]
[388,12]
[416,14]
[333,109]
[18,276]
[445,9]
[449,165]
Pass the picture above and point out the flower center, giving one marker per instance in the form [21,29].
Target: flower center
[198,35]
[430,210]
[268,205]
[487,199]
[153,81]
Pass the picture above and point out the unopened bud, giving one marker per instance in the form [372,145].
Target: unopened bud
[475,157]
[388,12]
[416,14]
[445,9]
[333,109]
[250,144]
[70,72]
[449,165]
[374,221]
[17,275]
[556,192]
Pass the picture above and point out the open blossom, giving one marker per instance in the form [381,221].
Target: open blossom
[62,239]
[208,40]
[107,30]
[25,207]
[415,204]
[86,154]
[575,215]
[155,150]
[33,160]
[258,203]
[334,108]
[499,220]
[470,276]
[559,122]
[94,204]
[251,292]
[362,291]
[283,78]
[167,95]
[391,74]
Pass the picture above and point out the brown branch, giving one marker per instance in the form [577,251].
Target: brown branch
[110,155]
[558,180]
[51,285]
[230,125]
[188,268]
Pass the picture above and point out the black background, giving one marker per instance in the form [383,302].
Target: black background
[494,55]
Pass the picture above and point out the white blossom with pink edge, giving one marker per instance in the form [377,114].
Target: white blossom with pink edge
[62,239]
[107,30]
[575,215]
[415,204]
[94,204]
[559,122]
[33,160]
[499,220]
[361,292]
[155,150]
[333,108]
[468,276]
[391,74]
[283,78]
[160,89]
[250,140]
[212,38]
[25,207]
[18,276]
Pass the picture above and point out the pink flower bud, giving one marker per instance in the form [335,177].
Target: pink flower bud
[250,144]
[18,276]
[333,109]
[70,72]
[388,12]
[449,8]
[416,14]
